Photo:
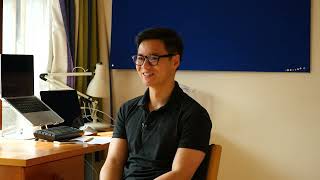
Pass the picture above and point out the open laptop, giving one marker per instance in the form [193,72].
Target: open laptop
[17,88]
[66,104]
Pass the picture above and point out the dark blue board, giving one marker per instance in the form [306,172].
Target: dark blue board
[219,35]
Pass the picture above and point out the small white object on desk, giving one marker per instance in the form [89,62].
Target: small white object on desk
[88,130]
[98,126]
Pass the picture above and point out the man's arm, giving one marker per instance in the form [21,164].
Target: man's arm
[185,163]
[116,159]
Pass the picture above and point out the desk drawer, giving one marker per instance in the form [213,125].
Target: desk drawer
[66,169]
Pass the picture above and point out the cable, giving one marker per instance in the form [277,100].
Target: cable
[90,107]
[85,112]
[98,111]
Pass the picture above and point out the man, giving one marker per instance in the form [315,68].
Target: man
[163,134]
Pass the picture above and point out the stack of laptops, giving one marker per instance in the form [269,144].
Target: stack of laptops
[17,88]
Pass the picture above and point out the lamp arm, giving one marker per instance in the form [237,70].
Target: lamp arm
[68,74]
[45,77]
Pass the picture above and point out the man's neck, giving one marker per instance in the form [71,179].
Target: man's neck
[159,96]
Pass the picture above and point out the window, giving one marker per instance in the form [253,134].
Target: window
[27,30]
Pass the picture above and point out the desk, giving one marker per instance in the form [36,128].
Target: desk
[27,159]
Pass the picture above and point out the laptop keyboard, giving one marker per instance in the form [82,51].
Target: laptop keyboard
[28,104]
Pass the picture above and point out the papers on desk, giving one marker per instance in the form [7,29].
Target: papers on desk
[92,139]
[100,140]
[82,139]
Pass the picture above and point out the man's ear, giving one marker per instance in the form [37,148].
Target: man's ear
[176,61]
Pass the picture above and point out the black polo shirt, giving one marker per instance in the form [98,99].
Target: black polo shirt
[153,137]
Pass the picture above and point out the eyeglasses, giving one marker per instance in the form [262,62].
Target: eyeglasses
[153,59]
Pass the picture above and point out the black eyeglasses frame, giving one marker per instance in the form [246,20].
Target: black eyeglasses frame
[152,62]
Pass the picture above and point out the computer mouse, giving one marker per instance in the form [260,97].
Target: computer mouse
[89,129]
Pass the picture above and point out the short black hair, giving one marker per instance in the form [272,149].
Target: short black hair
[170,38]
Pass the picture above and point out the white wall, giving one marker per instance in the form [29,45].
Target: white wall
[267,123]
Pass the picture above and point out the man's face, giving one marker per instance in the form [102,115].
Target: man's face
[161,74]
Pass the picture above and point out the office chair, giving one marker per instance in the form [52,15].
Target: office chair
[214,161]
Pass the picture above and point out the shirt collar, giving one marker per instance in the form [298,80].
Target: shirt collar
[173,101]
[144,99]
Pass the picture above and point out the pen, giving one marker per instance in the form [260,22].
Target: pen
[89,139]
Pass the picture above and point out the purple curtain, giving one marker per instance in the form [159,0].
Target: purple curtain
[68,16]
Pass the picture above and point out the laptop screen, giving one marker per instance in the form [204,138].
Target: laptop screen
[66,104]
[16,75]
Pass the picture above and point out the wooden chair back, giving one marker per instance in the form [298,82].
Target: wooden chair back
[214,161]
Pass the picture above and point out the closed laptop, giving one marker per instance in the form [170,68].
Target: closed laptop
[66,104]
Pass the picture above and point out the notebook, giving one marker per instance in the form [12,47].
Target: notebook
[17,88]
[66,104]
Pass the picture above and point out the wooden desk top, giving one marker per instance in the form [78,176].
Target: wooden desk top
[28,152]
[105,134]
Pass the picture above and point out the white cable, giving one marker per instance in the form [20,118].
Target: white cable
[90,107]
[99,111]
[85,113]
[84,105]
